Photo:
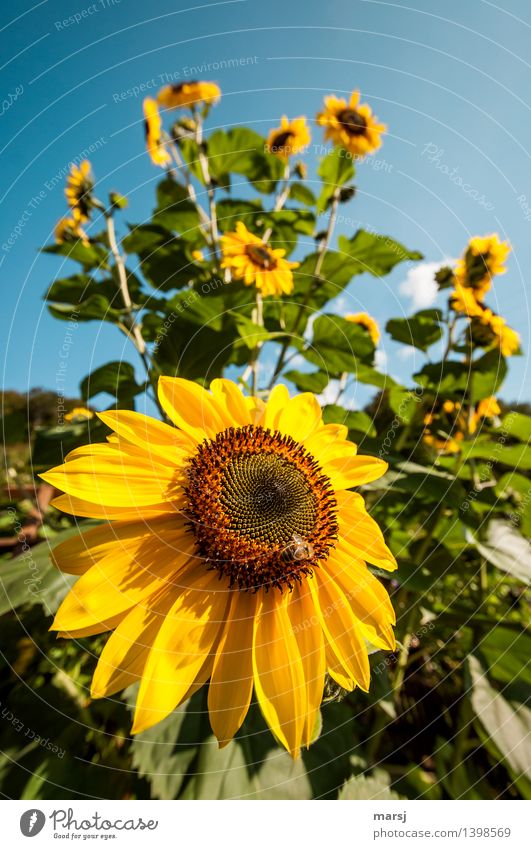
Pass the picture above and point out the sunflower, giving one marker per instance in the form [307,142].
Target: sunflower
[487,408]
[153,130]
[463,300]
[234,553]
[444,427]
[490,329]
[368,322]
[252,260]
[290,138]
[484,257]
[351,125]
[78,191]
[189,94]
[78,415]
[69,230]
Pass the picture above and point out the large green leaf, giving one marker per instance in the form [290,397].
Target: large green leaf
[117,378]
[335,169]
[242,151]
[164,259]
[175,210]
[375,786]
[517,425]
[504,727]
[375,254]
[506,548]
[89,256]
[420,330]
[337,345]
[488,373]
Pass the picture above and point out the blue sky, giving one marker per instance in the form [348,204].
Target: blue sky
[451,81]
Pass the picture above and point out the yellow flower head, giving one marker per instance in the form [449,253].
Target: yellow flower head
[490,329]
[153,130]
[368,322]
[484,257]
[463,300]
[78,415]
[487,408]
[444,427]
[69,230]
[351,125]
[78,190]
[290,138]
[252,260]
[233,552]
[190,94]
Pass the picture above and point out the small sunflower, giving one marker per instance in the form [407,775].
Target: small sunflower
[69,230]
[484,257]
[252,260]
[491,330]
[351,125]
[487,408]
[153,130]
[290,138]
[368,322]
[78,415]
[190,94]
[78,191]
[234,554]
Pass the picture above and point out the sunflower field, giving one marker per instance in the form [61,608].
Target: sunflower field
[231,584]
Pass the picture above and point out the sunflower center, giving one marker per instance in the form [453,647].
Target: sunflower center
[282,140]
[351,120]
[261,255]
[261,510]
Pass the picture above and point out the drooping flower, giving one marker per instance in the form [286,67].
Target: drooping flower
[252,260]
[78,415]
[234,553]
[290,138]
[484,257]
[69,229]
[190,94]
[153,131]
[463,300]
[78,191]
[368,322]
[351,125]
[491,330]
[487,408]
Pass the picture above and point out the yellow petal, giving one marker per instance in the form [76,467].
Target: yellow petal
[190,407]
[300,417]
[97,628]
[81,507]
[148,433]
[231,683]
[359,535]
[278,399]
[231,400]
[340,628]
[278,672]
[115,479]
[124,578]
[346,471]
[309,636]
[187,637]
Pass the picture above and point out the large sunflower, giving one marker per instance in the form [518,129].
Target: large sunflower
[252,260]
[153,131]
[190,94]
[78,190]
[484,257]
[351,125]
[234,554]
[290,138]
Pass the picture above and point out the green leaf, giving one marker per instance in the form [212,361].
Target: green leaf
[90,256]
[507,549]
[375,786]
[52,444]
[504,727]
[94,308]
[175,210]
[335,169]
[488,373]
[253,334]
[302,194]
[314,381]
[420,330]
[514,456]
[242,151]
[31,578]
[517,425]
[338,344]
[117,378]
[375,254]
[448,378]
[231,210]
[505,653]
[355,420]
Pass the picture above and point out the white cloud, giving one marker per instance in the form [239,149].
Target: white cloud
[406,352]
[380,359]
[420,284]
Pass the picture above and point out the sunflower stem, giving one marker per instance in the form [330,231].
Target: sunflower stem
[205,170]
[323,248]
[280,199]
